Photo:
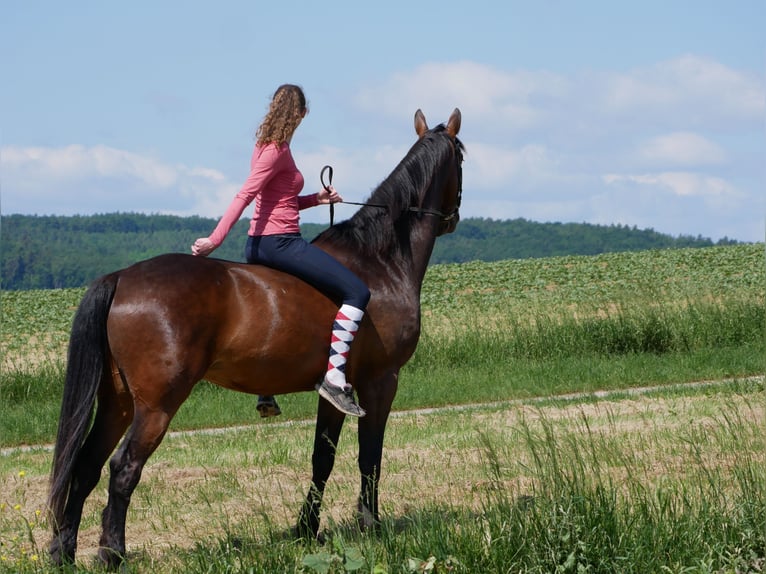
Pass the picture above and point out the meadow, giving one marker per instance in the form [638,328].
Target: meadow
[552,420]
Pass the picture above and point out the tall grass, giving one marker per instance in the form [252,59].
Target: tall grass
[30,401]
[601,505]
[475,338]
[545,493]
[596,498]
[661,484]
[473,356]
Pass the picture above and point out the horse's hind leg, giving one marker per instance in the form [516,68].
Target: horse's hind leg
[113,416]
[144,436]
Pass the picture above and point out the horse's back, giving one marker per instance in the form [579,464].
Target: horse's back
[239,325]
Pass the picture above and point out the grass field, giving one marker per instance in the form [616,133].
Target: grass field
[491,331]
[666,481]
[506,474]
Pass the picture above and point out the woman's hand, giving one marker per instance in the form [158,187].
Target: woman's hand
[325,197]
[202,246]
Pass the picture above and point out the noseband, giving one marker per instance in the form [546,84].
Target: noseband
[444,217]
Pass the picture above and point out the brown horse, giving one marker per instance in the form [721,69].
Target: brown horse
[143,337]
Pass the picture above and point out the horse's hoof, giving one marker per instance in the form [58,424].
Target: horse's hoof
[59,559]
[59,555]
[306,534]
[267,407]
[112,559]
[365,518]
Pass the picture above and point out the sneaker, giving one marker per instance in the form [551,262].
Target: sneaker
[267,406]
[341,398]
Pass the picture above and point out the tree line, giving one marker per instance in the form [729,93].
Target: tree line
[52,252]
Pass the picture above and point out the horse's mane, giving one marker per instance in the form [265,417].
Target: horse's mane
[374,229]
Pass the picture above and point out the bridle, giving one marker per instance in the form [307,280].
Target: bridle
[455,213]
[445,218]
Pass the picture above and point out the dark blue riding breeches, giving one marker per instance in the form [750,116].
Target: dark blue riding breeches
[296,256]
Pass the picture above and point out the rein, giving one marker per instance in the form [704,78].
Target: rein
[326,186]
[445,217]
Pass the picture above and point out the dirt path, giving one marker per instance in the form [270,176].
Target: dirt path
[573,397]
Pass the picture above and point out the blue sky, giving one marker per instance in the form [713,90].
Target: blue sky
[649,114]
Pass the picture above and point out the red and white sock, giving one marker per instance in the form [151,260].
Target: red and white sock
[343,332]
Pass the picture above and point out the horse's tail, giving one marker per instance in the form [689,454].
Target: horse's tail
[86,367]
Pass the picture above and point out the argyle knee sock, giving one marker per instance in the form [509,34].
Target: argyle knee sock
[343,332]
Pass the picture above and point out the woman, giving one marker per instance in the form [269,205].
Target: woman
[274,239]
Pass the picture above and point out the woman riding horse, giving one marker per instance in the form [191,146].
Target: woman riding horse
[275,239]
[144,336]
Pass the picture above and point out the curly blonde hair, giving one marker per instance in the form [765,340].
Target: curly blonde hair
[287,108]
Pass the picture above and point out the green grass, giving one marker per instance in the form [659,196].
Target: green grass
[31,401]
[38,321]
[491,332]
[526,480]
[670,481]
[556,282]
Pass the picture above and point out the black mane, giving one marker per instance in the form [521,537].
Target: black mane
[373,229]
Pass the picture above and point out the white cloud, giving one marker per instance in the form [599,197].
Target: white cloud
[669,137]
[483,93]
[678,183]
[77,180]
[682,94]
[682,149]
[500,169]
[690,91]
[79,162]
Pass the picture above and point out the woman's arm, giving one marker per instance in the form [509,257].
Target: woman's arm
[263,167]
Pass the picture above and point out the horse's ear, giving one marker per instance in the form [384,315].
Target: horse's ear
[453,125]
[421,126]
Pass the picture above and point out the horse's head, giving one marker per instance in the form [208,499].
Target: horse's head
[421,195]
[446,190]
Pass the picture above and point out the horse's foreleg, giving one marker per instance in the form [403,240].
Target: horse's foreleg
[376,399]
[126,465]
[328,427]
[112,418]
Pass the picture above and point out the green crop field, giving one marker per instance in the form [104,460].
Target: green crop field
[518,467]
[491,331]
[35,324]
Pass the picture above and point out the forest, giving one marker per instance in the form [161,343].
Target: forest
[51,252]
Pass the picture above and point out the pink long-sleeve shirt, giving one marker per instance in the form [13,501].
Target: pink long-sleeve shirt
[275,184]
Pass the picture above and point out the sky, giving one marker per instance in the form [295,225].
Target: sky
[648,114]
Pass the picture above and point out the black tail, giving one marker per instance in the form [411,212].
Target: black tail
[86,366]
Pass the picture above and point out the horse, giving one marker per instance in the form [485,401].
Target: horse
[144,336]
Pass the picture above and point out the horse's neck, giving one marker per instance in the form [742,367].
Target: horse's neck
[407,257]
[422,240]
